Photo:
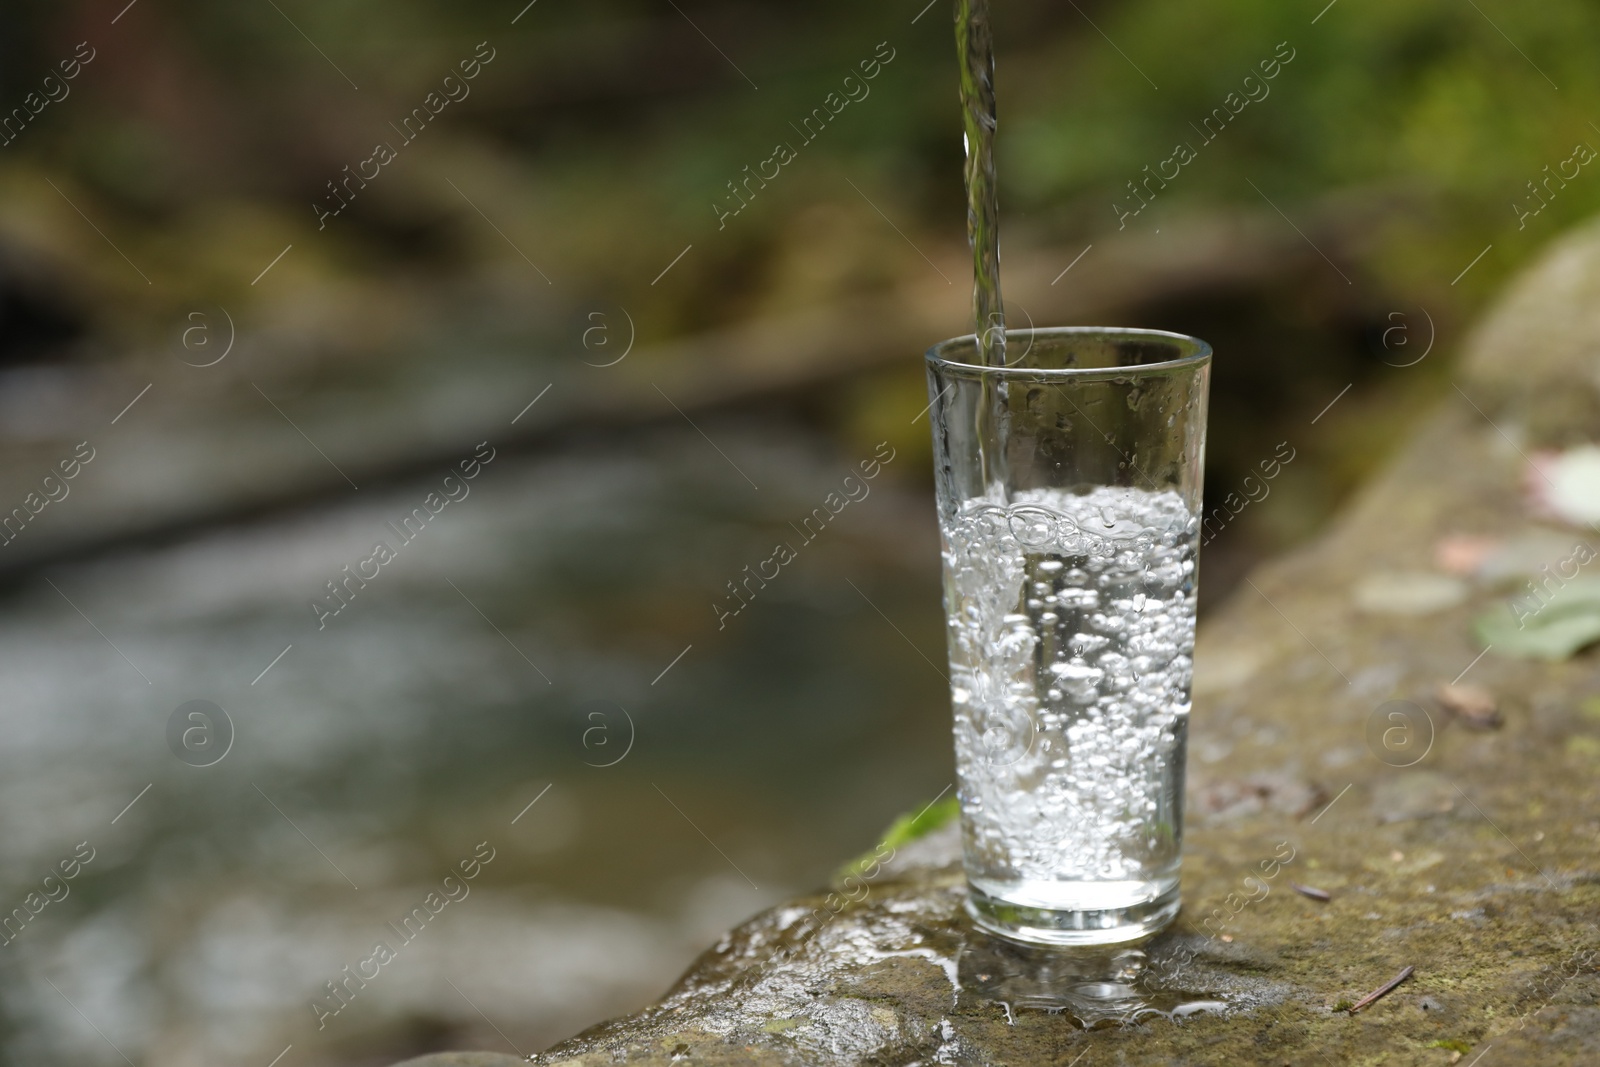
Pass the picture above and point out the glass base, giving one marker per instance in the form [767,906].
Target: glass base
[1073,913]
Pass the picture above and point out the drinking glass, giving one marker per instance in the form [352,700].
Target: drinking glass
[1069,511]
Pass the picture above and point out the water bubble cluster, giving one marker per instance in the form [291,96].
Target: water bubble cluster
[1070,657]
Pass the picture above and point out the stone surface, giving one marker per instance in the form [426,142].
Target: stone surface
[463,1059]
[1470,855]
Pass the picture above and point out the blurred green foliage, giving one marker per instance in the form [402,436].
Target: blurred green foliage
[1431,100]
[909,827]
[604,132]
[1401,139]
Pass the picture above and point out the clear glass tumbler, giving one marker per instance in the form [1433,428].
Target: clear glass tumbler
[1069,511]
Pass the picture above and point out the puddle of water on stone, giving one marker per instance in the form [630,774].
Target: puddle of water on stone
[1092,987]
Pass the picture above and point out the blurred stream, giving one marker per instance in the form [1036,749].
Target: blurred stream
[457,687]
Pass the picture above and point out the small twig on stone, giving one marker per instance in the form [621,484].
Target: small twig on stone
[1382,990]
[1311,891]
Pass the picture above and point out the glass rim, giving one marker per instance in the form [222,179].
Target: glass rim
[1201,354]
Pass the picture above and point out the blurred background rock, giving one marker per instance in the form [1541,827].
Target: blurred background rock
[161,213]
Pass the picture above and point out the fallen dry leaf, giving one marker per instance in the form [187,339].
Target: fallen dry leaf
[1463,554]
[1473,704]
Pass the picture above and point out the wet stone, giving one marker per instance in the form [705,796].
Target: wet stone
[464,1059]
